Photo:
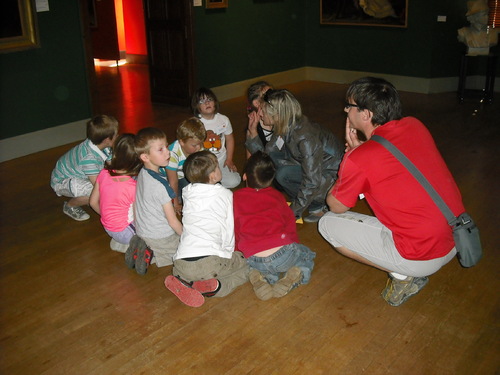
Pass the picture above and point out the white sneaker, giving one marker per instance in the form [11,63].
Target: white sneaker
[118,246]
[76,213]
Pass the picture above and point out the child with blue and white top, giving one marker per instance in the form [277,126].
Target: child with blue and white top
[76,171]
[190,137]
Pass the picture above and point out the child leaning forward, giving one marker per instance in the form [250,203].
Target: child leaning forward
[113,195]
[266,234]
[190,136]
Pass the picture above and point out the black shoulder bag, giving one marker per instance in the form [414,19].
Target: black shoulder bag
[465,232]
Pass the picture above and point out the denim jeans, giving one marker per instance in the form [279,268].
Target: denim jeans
[292,255]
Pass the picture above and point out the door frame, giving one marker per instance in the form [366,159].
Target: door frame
[190,53]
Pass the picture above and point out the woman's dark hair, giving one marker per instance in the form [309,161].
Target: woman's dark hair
[378,96]
[255,92]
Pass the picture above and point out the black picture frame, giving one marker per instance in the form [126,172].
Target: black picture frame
[384,13]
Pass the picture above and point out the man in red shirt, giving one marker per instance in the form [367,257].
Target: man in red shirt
[409,237]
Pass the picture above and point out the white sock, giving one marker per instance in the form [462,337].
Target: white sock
[398,276]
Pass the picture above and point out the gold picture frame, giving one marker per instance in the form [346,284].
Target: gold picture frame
[385,13]
[19,31]
[216,4]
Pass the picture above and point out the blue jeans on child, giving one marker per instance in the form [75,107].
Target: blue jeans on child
[292,255]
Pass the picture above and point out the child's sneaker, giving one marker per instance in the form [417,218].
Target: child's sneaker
[261,287]
[397,291]
[118,246]
[208,288]
[76,213]
[291,280]
[136,242]
[186,294]
[143,260]
[314,216]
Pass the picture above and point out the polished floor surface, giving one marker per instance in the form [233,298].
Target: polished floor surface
[69,305]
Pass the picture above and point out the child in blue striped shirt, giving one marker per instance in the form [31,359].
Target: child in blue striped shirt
[76,171]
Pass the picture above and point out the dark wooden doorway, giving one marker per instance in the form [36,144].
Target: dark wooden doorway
[102,20]
[170,50]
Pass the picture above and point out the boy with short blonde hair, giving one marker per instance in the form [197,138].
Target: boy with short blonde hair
[191,134]
[76,171]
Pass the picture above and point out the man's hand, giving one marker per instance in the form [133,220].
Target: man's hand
[351,137]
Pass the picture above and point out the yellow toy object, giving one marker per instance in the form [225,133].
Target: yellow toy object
[299,220]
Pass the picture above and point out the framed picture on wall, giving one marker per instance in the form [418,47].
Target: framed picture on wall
[18,29]
[216,3]
[386,13]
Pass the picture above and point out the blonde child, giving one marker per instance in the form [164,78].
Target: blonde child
[205,263]
[155,220]
[220,138]
[114,193]
[190,137]
[76,171]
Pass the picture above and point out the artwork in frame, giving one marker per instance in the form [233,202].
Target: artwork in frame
[386,13]
[216,3]
[19,29]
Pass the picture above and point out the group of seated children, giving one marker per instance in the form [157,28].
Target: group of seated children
[143,187]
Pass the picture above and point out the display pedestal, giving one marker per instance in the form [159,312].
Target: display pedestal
[485,94]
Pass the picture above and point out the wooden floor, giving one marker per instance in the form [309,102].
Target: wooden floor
[69,305]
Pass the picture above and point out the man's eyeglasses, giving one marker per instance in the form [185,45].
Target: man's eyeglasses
[205,100]
[349,105]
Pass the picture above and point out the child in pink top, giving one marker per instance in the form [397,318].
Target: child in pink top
[113,195]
